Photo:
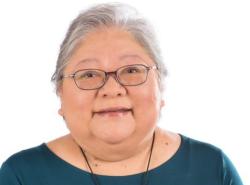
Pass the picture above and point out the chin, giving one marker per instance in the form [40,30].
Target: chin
[113,140]
[113,133]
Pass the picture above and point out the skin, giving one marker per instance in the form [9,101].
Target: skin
[115,143]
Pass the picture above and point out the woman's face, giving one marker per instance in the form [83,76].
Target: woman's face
[93,116]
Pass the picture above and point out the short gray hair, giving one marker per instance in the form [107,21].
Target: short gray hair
[109,15]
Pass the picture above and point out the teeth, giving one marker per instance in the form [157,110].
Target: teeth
[120,110]
[117,110]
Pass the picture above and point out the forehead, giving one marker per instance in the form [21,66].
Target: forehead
[107,47]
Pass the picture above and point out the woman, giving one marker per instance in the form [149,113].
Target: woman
[109,77]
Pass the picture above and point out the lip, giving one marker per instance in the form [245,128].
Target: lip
[113,111]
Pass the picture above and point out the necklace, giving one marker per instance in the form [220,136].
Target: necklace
[145,174]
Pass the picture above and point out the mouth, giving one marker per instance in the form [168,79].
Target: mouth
[116,111]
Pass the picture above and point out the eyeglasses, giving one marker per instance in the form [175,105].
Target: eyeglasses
[129,75]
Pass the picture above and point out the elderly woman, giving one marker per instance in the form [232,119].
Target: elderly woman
[109,77]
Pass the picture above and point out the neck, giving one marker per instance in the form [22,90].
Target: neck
[129,160]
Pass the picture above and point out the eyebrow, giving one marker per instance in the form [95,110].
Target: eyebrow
[87,60]
[95,60]
[131,56]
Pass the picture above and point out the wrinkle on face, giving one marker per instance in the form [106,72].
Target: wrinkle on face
[108,50]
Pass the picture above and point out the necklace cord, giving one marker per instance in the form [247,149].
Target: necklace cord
[145,174]
[94,178]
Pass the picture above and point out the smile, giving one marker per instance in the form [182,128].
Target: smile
[113,112]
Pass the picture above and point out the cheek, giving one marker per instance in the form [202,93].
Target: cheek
[147,105]
[73,98]
[76,107]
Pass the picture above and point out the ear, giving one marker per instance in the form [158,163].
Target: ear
[60,110]
[162,103]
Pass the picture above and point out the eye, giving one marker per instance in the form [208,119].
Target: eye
[133,69]
[87,75]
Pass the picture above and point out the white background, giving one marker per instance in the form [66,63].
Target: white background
[205,44]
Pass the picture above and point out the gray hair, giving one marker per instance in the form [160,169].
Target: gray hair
[107,15]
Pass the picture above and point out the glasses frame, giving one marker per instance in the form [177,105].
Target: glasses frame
[111,73]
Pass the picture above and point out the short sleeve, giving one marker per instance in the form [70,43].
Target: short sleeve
[7,176]
[230,174]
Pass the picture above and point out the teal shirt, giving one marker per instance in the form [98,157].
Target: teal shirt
[194,163]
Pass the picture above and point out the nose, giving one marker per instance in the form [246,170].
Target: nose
[112,88]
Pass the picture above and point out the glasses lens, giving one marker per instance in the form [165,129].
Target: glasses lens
[132,75]
[89,79]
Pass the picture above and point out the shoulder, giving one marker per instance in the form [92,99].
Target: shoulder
[200,146]
[202,151]
[37,155]
[180,142]
[187,146]
[202,154]
[211,158]
[23,162]
[25,157]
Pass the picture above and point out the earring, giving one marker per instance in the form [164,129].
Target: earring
[162,103]
[60,112]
